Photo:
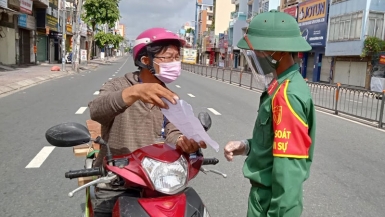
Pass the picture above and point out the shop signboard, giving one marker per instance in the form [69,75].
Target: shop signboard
[189,56]
[312,20]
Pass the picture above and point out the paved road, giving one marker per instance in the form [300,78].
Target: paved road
[346,180]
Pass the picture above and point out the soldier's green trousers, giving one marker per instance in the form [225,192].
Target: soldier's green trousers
[259,205]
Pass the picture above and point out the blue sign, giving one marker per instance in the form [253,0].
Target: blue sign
[22,20]
[312,20]
[182,31]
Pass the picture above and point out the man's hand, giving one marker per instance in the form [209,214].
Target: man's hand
[234,148]
[149,93]
[189,146]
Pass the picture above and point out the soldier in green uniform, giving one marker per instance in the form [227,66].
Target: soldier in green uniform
[280,152]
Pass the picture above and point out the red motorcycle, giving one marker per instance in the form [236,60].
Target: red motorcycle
[160,172]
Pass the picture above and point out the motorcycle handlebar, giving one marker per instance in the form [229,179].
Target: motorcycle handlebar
[210,161]
[83,173]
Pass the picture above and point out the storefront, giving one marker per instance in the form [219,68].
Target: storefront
[47,19]
[8,55]
[83,34]
[69,38]
[27,28]
[313,22]
[42,46]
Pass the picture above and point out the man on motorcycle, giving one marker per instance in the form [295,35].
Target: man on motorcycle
[280,152]
[128,107]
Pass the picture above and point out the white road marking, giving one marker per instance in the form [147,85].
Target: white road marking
[116,72]
[113,75]
[83,75]
[81,110]
[177,86]
[109,78]
[214,111]
[190,95]
[39,159]
[96,93]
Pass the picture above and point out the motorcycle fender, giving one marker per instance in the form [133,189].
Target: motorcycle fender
[187,204]
[194,204]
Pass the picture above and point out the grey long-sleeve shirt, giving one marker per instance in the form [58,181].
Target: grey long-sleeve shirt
[127,128]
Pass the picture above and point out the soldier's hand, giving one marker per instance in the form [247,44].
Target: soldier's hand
[234,148]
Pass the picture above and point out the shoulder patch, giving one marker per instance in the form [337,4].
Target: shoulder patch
[291,138]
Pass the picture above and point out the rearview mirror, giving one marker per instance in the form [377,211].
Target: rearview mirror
[68,135]
[205,120]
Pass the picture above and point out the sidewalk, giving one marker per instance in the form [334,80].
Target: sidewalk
[13,79]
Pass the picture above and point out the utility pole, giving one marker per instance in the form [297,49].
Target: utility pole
[75,55]
[196,20]
[63,37]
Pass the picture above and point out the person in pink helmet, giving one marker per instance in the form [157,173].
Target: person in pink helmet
[128,107]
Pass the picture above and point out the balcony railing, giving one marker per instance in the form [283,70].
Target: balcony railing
[235,14]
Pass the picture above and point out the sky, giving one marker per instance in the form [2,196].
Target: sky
[139,15]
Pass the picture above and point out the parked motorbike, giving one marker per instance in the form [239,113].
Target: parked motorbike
[159,171]
[68,57]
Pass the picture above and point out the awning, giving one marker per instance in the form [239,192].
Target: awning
[9,10]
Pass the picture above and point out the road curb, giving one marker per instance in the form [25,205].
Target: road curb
[28,82]
[8,88]
[31,81]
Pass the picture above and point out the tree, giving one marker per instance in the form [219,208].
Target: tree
[103,39]
[100,12]
[116,40]
[190,30]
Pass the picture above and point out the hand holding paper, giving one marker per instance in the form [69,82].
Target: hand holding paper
[182,116]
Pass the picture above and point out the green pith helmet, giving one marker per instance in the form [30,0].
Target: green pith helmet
[274,31]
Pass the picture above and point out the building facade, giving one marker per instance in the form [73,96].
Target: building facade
[264,6]
[235,32]
[18,31]
[187,33]
[222,9]
[313,21]
[206,43]
[350,23]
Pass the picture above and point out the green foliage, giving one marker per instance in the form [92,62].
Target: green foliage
[372,45]
[102,39]
[116,40]
[190,30]
[101,12]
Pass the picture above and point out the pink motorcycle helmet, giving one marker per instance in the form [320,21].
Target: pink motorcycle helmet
[150,36]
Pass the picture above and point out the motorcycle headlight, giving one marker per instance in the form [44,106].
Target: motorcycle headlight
[168,178]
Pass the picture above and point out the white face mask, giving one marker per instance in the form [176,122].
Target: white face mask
[169,72]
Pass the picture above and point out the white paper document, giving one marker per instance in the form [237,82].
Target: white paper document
[182,116]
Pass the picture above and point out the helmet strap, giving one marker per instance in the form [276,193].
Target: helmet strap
[139,63]
[248,42]
[252,48]
[151,64]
